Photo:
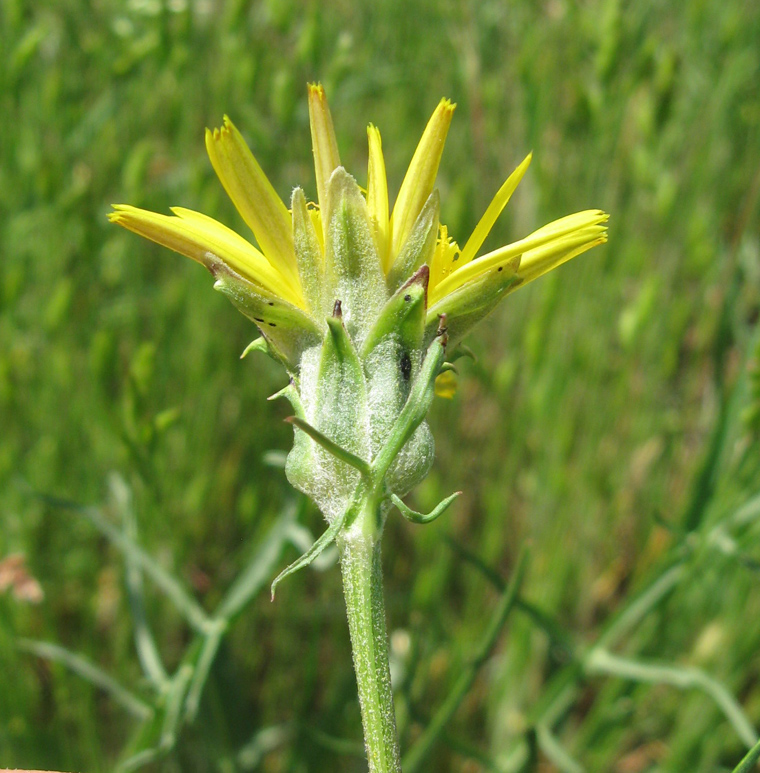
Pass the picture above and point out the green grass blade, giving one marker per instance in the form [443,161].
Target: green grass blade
[416,756]
[259,570]
[264,741]
[138,760]
[555,752]
[601,661]
[145,644]
[749,762]
[202,669]
[174,701]
[90,673]
[185,604]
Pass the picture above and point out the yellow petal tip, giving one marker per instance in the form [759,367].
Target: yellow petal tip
[447,105]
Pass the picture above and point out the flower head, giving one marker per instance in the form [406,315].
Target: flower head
[348,294]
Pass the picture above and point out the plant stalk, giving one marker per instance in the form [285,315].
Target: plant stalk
[363,589]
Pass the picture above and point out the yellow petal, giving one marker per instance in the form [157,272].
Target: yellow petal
[377,194]
[475,242]
[253,196]
[315,213]
[420,178]
[446,385]
[536,263]
[205,240]
[445,258]
[326,158]
[584,226]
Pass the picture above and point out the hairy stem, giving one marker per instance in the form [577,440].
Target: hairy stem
[363,589]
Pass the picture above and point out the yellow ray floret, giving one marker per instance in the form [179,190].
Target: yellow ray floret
[377,192]
[206,240]
[445,258]
[324,144]
[487,222]
[419,180]
[542,251]
[253,196]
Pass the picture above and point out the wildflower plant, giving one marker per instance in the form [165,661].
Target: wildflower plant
[363,305]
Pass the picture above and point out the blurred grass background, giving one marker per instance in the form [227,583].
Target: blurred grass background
[611,408]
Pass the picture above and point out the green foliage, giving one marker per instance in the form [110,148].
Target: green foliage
[609,416]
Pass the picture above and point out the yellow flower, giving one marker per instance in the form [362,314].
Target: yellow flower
[285,281]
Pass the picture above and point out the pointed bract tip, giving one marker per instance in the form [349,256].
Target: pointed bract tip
[420,277]
[443,332]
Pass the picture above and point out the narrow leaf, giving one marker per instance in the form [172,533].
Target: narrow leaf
[185,604]
[555,752]
[145,644]
[749,762]
[258,570]
[325,540]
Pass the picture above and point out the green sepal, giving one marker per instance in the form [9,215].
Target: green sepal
[308,252]
[417,404]
[341,406]
[287,329]
[257,345]
[289,393]
[415,517]
[419,247]
[323,541]
[470,303]
[335,401]
[353,272]
[330,446]
[462,351]
[403,315]
[391,357]
[300,461]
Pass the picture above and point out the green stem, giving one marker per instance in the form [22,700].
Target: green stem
[363,589]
